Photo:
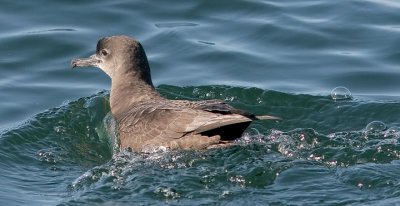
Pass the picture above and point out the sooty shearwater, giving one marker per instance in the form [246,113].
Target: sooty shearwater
[146,120]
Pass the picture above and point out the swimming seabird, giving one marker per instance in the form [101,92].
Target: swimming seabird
[145,119]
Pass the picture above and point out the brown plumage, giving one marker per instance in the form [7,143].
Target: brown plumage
[145,119]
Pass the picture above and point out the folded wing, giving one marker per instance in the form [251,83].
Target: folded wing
[161,125]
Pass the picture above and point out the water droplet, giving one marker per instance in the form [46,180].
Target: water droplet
[47,156]
[238,179]
[230,98]
[392,132]
[60,129]
[210,95]
[167,192]
[376,126]
[341,93]
[225,193]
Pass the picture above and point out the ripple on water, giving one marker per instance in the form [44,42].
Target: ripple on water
[175,24]
[73,139]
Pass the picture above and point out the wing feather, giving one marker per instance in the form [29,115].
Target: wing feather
[147,124]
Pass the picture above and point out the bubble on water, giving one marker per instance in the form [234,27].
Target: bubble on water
[341,93]
[375,126]
[167,192]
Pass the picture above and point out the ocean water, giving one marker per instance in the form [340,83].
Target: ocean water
[275,57]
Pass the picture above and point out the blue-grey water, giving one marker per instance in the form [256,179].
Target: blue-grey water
[276,57]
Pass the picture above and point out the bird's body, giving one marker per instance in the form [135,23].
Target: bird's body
[145,119]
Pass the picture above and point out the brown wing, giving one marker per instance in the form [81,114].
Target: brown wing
[161,126]
[219,106]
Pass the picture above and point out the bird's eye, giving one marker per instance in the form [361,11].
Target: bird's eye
[104,52]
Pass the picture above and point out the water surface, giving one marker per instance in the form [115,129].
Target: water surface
[269,57]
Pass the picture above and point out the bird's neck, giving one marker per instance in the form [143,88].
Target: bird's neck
[127,90]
